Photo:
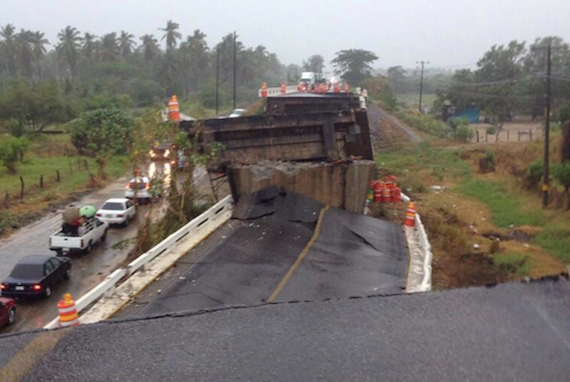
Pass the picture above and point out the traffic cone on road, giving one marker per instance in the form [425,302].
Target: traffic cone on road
[346,87]
[264,90]
[410,215]
[67,312]
[283,88]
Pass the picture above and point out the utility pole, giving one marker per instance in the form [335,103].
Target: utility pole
[235,67]
[217,78]
[421,83]
[547,130]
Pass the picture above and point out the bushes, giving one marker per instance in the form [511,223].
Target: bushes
[12,151]
[425,123]
[534,173]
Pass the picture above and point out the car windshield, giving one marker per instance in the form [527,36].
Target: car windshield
[113,206]
[27,272]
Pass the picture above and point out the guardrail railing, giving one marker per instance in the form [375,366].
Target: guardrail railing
[425,248]
[108,286]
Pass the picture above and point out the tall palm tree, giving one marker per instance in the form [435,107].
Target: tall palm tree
[168,70]
[149,47]
[89,46]
[8,47]
[68,48]
[126,44]
[109,48]
[39,42]
[195,58]
[171,34]
[25,49]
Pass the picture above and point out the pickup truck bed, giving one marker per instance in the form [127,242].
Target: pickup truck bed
[93,233]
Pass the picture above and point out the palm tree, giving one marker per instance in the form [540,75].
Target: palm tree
[126,44]
[150,47]
[89,47]
[167,70]
[67,49]
[109,49]
[171,34]
[8,47]
[25,50]
[194,54]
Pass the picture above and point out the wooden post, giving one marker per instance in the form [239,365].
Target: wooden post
[71,167]
[486,137]
[86,165]
[477,135]
[530,133]
[519,133]
[57,177]
[497,137]
[41,181]
[508,135]
[21,187]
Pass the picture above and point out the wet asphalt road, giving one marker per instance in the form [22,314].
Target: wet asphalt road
[511,332]
[87,269]
[243,263]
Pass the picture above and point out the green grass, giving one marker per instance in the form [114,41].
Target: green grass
[513,262]
[71,176]
[411,100]
[505,207]
[423,156]
[555,239]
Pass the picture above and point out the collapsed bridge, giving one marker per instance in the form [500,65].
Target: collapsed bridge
[330,131]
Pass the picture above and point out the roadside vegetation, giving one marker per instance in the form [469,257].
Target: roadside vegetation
[485,226]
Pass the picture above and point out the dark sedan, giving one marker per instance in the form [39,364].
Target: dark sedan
[7,311]
[36,276]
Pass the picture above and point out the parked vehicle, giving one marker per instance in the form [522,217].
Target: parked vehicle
[36,276]
[237,113]
[117,211]
[7,311]
[89,234]
[139,188]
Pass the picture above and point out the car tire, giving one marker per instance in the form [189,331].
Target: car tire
[89,247]
[59,252]
[12,316]
[67,274]
[47,292]
[104,237]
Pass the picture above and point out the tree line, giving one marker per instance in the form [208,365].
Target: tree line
[119,63]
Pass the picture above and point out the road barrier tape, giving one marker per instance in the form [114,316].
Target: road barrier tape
[201,226]
[272,92]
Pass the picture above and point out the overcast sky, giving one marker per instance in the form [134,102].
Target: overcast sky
[448,33]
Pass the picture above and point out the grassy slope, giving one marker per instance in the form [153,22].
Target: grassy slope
[473,204]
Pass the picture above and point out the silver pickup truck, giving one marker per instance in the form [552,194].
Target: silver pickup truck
[93,232]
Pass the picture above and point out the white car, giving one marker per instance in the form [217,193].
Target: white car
[237,113]
[117,211]
[139,188]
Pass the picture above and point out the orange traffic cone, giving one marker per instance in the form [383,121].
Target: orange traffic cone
[346,87]
[173,109]
[67,312]
[264,90]
[410,215]
[283,88]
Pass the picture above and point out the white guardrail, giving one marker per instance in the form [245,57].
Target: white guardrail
[107,287]
[425,249]
[272,92]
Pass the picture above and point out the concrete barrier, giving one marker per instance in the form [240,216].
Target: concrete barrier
[272,92]
[193,233]
[419,276]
